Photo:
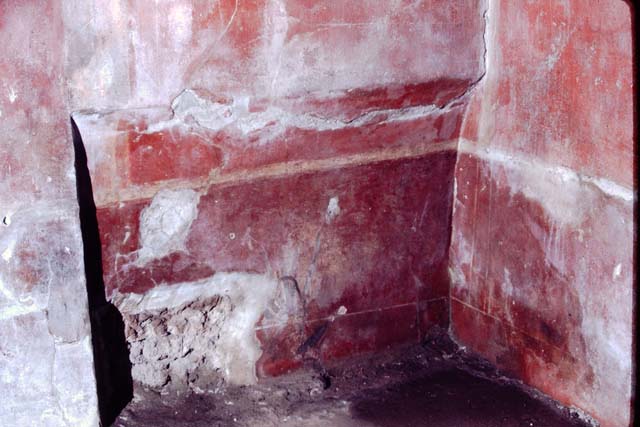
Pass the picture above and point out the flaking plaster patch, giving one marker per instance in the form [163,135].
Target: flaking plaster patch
[7,254]
[333,209]
[165,223]
[617,271]
[208,114]
[566,195]
[190,108]
[12,95]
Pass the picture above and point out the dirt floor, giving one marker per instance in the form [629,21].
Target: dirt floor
[435,384]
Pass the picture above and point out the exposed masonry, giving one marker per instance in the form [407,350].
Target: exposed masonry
[175,347]
[197,334]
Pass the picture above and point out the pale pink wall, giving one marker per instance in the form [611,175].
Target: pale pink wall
[46,361]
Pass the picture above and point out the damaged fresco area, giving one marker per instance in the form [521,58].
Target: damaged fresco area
[190,335]
[575,348]
[268,160]
[282,240]
[541,257]
[274,183]
[196,335]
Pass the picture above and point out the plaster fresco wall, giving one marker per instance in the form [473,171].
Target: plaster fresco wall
[543,229]
[302,142]
[290,181]
[46,361]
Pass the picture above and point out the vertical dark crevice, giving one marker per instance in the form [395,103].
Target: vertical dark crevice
[111,355]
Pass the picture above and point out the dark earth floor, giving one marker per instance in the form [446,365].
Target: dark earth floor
[435,384]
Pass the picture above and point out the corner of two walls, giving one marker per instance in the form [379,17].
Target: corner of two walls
[541,256]
[306,154]
[250,172]
[273,187]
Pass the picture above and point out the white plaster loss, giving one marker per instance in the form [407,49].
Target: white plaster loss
[456,275]
[211,321]
[180,20]
[285,305]
[7,254]
[460,254]
[12,306]
[611,188]
[105,74]
[189,108]
[617,271]
[606,343]
[290,254]
[333,209]
[507,285]
[277,27]
[560,190]
[12,95]
[165,223]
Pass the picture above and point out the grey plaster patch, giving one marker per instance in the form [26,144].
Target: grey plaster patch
[165,223]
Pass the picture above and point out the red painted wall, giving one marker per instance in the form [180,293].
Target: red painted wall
[543,232]
[270,110]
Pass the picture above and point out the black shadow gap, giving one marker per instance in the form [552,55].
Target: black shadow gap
[110,352]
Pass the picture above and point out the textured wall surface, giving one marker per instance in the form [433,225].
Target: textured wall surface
[129,53]
[288,169]
[290,139]
[543,229]
[46,362]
